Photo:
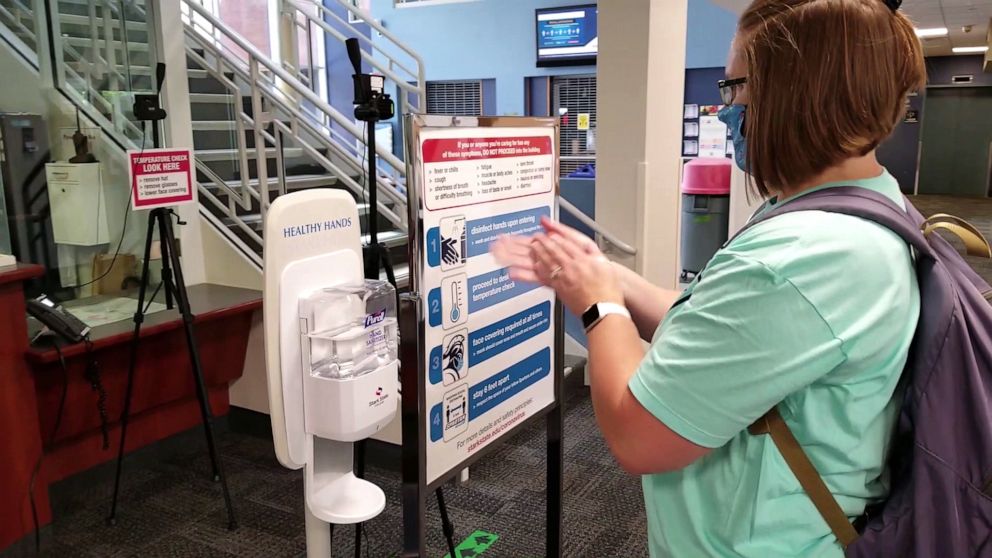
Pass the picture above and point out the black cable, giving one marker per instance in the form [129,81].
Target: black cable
[365,532]
[96,384]
[127,213]
[51,442]
[365,177]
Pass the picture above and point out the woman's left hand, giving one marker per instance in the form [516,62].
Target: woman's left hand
[580,277]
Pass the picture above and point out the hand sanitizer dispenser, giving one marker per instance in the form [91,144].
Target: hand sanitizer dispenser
[331,354]
[349,342]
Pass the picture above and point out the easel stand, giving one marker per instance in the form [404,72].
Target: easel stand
[415,488]
[175,286]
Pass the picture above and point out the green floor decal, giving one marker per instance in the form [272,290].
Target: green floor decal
[474,545]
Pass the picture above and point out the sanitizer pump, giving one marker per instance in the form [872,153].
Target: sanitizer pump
[331,354]
[349,347]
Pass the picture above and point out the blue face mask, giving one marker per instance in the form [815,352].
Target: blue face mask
[733,117]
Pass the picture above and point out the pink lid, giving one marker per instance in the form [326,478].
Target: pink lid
[707,176]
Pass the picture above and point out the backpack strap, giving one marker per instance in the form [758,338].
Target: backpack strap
[805,472]
[857,202]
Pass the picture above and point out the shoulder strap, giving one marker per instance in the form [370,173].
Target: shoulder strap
[805,472]
[857,202]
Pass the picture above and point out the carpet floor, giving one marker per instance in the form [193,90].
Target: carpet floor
[171,508]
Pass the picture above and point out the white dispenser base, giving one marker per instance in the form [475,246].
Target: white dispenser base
[351,409]
[334,493]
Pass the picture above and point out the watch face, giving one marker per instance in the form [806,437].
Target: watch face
[590,316]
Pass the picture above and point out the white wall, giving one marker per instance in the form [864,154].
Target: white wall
[641,80]
[224,265]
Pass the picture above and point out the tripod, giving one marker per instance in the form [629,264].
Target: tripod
[372,106]
[161,218]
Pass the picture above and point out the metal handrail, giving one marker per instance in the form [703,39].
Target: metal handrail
[124,130]
[14,20]
[385,155]
[417,88]
[275,118]
[596,227]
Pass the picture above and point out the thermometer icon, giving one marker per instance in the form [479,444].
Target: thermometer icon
[455,312]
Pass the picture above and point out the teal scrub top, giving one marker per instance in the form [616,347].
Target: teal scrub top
[812,310]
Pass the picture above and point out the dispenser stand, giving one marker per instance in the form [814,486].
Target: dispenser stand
[312,242]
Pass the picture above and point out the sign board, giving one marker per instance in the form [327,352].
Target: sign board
[160,177]
[488,340]
[582,123]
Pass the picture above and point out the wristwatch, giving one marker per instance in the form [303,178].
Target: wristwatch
[595,313]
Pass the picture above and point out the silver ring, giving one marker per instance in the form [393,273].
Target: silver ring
[556,272]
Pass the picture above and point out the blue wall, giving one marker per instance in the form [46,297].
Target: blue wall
[495,39]
[340,87]
[711,30]
[476,40]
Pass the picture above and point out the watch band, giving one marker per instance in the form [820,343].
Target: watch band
[595,313]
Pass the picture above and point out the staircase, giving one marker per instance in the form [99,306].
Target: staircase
[259,128]
[17,20]
[297,142]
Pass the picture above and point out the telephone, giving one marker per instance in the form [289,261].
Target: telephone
[58,319]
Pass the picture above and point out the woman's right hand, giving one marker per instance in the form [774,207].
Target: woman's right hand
[516,253]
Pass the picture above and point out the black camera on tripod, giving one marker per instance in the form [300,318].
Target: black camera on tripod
[147,107]
[372,103]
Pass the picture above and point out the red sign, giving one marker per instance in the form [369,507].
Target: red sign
[160,177]
[470,149]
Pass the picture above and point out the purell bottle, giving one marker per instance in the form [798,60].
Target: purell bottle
[351,329]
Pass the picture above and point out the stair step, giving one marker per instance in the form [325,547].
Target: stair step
[389,239]
[214,126]
[75,19]
[87,42]
[296,182]
[402,274]
[573,363]
[80,66]
[254,220]
[211,98]
[208,155]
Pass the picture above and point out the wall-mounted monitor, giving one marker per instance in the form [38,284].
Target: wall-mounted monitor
[567,36]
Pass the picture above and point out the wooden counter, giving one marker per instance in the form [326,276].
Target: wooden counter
[164,400]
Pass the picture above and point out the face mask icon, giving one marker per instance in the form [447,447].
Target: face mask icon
[454,358]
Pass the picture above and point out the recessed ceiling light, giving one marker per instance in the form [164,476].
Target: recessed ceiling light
[931,32]
[970,50]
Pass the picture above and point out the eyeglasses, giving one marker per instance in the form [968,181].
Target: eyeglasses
[729,88]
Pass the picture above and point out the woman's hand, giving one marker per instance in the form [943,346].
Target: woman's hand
[565,260]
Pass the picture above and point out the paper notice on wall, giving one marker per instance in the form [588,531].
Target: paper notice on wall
[712,137]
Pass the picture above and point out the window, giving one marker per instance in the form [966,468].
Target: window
[457,98]
[574,101]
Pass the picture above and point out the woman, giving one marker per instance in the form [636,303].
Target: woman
[810,312]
